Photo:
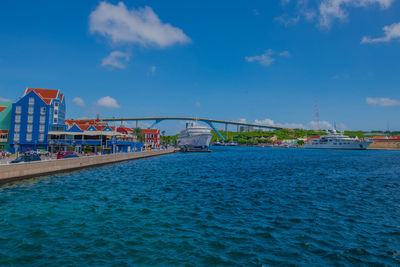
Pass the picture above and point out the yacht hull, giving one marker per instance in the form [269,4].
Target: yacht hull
[200,140]
[352,146]
[194,138]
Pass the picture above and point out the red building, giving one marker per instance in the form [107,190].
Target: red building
[151,137]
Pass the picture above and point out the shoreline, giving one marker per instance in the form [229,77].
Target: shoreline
[22,171]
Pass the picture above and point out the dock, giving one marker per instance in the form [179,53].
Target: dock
[21,171]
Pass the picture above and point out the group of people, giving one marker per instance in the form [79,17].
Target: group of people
[5,155]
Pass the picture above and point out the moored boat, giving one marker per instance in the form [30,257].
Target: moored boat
[194,138]
[335,140]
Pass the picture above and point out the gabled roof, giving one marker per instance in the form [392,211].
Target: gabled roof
[46,94]
[75,128]
[91,128]
[2,108]
[107,128]
[125,130]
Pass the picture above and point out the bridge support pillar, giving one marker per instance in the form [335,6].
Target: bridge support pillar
[137,124]
[154,124]
[215,129]
[226,131]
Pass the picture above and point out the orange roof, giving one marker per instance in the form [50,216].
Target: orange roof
[3,131]
[126,128]
[99,127]
[379,137]
[153,131]
[45,94]
[83,127]
[2,108]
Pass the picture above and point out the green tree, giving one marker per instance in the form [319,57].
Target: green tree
[139,134]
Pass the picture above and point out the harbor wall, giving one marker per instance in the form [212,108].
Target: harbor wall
[385,145]
[19,171]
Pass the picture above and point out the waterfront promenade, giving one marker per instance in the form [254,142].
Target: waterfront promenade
[19,171]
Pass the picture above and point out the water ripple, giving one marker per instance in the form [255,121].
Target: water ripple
[233,207]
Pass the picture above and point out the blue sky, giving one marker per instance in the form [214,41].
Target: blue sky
[265,61]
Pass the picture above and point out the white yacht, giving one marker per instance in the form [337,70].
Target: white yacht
[194,137]
[334,140]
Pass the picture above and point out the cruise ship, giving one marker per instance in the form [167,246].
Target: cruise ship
[194,138]
[335,140]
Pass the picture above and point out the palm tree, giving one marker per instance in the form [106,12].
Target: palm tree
[139,134]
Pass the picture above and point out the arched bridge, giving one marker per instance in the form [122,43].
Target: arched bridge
[210,122]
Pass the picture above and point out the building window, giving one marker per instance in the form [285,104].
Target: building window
[29,128]
[16,137]
[3,137]
[43,110]
[41,137]
[55,120]
[31,101]
[56,104]
[41,128]
[17,118]
[18,110]
[42,119]
[30,110]
[55,112]
[28,137]
[30,118]
[16,128]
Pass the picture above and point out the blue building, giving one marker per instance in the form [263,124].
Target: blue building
[36,113]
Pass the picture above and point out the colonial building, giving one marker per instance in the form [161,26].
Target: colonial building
[151,137]
[36,113]
[5,122]
[93,136]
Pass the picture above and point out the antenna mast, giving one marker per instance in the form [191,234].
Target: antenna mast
[317,114]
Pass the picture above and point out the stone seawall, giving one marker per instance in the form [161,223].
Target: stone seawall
[19,171]
[388,145]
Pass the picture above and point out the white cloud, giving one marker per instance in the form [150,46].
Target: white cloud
[79,101]
[311,125]
[286,20]
[265,122]
[243,120]
[329,10]
[391,32]
[284,54]
[5,99]
[198,104]
[108,102]
[153,69]
[267,58]
[136,26]
[382,101]
[256,12]
[114,59]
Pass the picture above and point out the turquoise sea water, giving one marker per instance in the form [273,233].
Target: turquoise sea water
[234,206]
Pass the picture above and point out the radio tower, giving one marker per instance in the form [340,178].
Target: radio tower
[317,114]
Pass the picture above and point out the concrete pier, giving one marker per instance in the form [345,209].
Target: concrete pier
[20,171]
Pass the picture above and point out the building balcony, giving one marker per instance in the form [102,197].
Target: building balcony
[3,140]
